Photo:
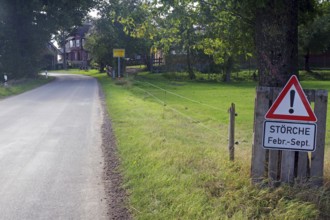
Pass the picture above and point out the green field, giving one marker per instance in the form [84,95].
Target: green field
[172,141]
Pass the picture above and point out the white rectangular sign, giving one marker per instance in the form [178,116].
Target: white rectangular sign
[281,135]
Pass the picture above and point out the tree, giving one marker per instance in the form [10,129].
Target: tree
[111,32]
[314,32]
[227,36]
[196,29]
[21,44]
[168,25]
[103,39]
[276,40]
[183,18]
[225,29]
[275,25]
[141,25]
[27,26]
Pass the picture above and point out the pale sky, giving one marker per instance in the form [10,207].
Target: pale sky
[93,13]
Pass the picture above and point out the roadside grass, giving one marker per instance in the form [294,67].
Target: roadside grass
[316,74]
[17,87]
[174,156]
[137,67]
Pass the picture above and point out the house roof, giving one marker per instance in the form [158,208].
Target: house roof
[52,48]
[81,31]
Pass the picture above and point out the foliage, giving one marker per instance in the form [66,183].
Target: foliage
[194,29]
[228,35]
[27,26]
[314,32]
[226,30]
[110,33]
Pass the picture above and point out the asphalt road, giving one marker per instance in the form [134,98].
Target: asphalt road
[51,159]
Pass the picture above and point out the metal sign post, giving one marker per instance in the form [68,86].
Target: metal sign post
[119,53]
[118,67]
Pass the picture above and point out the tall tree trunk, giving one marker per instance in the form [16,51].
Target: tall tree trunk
[63,42]
[65,66]
[229,67]
[276,37]
[149,59]
[307,66]
[102,67]
[190,69]
[151,62]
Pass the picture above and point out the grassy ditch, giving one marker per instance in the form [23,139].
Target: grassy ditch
[172,140]
[20,86]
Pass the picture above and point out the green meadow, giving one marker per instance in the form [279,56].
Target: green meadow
[172,142]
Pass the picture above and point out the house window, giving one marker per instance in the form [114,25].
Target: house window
[78,43]
[71,43]
[83,42]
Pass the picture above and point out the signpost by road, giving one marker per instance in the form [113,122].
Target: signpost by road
[289,137]
[120,53]
[290,121]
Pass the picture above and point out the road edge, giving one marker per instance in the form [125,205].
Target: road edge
[113,180]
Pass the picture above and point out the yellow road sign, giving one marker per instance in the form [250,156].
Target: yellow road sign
[118,52]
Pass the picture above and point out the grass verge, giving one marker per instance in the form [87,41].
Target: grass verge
[174,157]
[23,85]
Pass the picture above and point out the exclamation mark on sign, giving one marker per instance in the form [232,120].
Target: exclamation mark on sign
[292,95]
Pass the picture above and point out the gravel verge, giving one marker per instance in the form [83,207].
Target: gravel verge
[113,181]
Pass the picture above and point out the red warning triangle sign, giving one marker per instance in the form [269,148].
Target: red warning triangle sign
[291,104]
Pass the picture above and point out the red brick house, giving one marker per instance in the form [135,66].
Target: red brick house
[76,55]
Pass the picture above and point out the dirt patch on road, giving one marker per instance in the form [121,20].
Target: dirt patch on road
[116,194]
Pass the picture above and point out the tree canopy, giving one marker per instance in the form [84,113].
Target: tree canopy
[110,33]
[27,26]
[314,32]
[223,31]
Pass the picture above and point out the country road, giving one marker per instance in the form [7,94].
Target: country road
[51,161]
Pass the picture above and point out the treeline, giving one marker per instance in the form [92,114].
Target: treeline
[222,31]
[26,26]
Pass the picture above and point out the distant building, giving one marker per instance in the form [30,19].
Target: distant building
[50,56]
[320,60]
[76,54]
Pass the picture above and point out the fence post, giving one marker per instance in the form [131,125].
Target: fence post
[317,159]
[231,137]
